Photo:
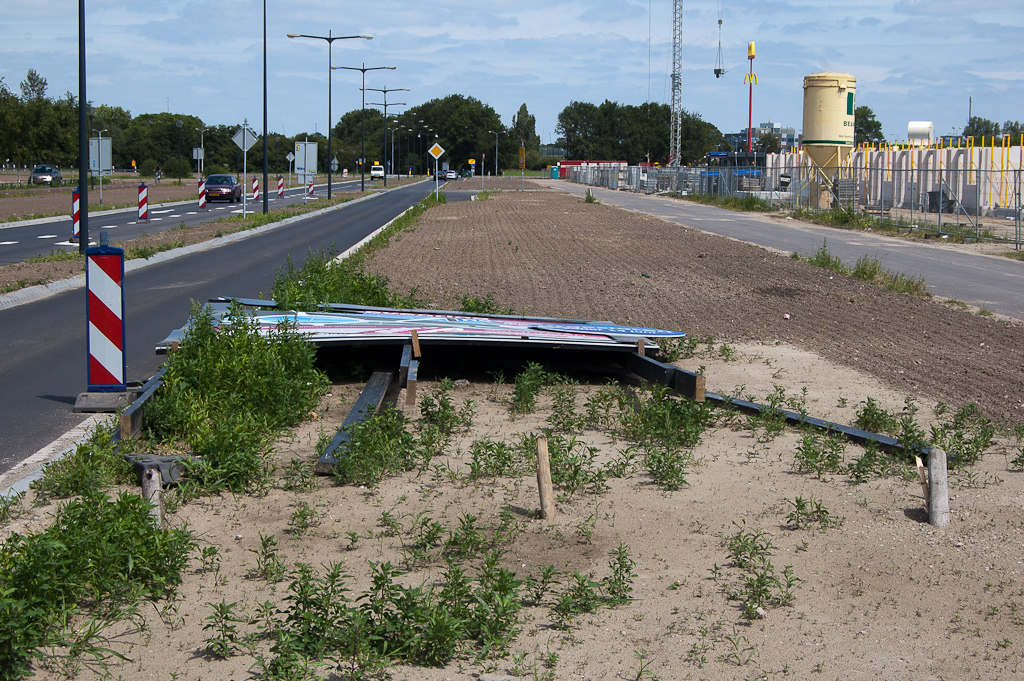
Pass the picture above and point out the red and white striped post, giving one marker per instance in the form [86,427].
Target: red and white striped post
[75,215]
[202,194]
[255,189]
[311,188]
[104,279]
[143,203]
[280,187]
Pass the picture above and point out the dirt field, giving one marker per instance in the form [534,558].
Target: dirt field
[879,594]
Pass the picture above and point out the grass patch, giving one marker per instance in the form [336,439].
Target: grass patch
[747,204]
[867,269]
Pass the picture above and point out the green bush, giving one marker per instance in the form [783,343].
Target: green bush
[228,389]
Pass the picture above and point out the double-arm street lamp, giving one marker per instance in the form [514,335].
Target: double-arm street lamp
[364,68]
[385,105]
[330,41]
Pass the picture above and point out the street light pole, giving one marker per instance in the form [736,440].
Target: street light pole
[83,137]
[385,105]
[330,41]
[364,68]
[495,151]
[202,147]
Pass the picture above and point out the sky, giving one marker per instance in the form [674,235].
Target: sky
[914,60]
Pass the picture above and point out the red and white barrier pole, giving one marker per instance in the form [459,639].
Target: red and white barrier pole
[310,188]
[104,279]
[75,215]
[255,189]
[280,187]
[202,194]
[143,203]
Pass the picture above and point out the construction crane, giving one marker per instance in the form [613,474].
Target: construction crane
[719,62]
[675,139]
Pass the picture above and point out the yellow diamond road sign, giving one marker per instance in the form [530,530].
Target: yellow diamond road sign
[435,151]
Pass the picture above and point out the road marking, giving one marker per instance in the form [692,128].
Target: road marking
[156,219]
[47,236]
[72,243]
[176,215]
[7,243]
[109,227]
[158,212]
[191,212]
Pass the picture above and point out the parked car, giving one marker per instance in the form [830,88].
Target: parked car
[223,187]
[376,171]
[45,175]
[451,175]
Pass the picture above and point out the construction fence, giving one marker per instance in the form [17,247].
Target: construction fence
[955,190]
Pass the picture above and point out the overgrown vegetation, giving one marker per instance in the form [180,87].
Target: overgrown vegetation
[65,586]
[868,270]
[228,389]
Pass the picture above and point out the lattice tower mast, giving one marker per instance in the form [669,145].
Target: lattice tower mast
[675,142]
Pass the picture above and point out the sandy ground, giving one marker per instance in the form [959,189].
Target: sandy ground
[882,595]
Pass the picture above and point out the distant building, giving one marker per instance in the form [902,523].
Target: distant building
[548,150]
[787,136]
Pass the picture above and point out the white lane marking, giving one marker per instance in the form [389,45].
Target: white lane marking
[191,212]
[7,243]
[109,227]
[71,243]
[176,215]
[47,236]
[158,212]
[156,219]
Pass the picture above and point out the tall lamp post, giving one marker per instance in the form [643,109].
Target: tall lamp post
[495,151]
[330,41]
[178,125]
[364,68]
[385,105]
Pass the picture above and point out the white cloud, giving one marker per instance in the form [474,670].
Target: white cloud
[913,59]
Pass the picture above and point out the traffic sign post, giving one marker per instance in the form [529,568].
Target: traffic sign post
[244,138]
[436,152]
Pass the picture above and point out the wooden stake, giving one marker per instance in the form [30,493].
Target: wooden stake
[151,485]
[938,488]
[922,473]
[641,347]
[547,493]
[415,344]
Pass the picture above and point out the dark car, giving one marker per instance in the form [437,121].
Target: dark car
[45,175]
[223,187]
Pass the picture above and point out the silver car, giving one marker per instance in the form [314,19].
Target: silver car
[45,175]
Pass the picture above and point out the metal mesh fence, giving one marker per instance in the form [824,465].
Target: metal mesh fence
[953,199]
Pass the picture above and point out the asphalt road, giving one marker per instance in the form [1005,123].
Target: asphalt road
[39,237]
[42,344]
[991,282]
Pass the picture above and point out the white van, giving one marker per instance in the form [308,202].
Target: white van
[376,171]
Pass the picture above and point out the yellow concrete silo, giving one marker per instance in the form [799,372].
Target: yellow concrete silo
[829,103]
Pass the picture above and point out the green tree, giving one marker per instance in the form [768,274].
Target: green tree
[767,144]
[1013,130]
[866,128]
[33,87]
[979,127]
